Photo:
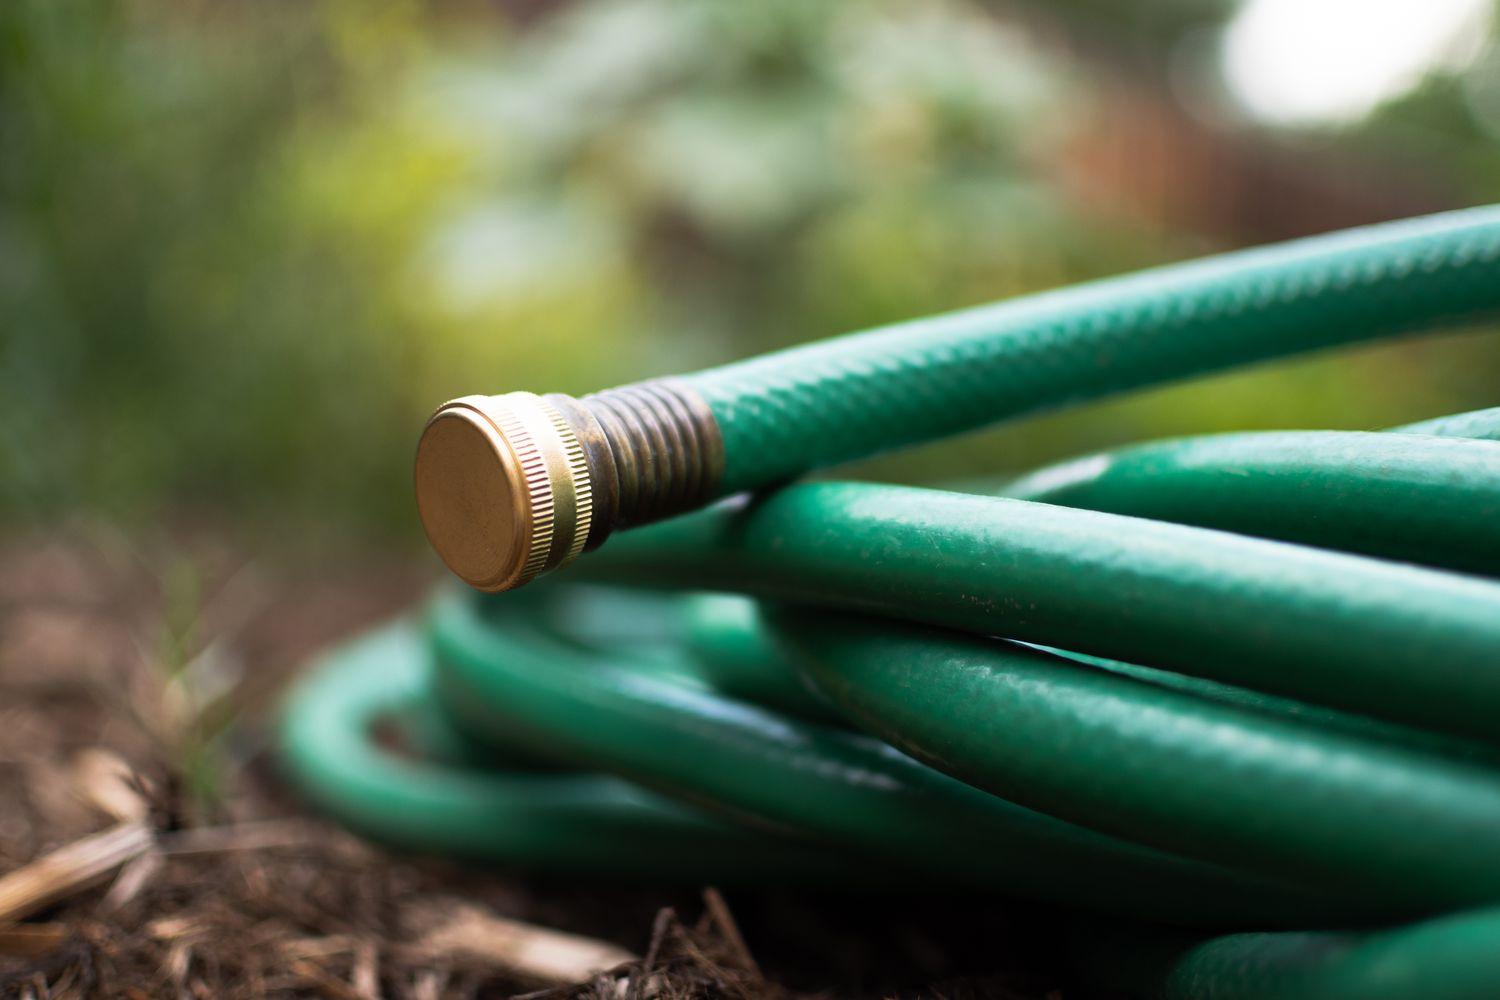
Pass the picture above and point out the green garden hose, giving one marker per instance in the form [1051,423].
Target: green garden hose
[1234,699]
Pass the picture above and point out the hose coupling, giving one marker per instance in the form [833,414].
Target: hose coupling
[516,485]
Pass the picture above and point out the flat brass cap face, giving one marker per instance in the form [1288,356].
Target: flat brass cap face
[502,489]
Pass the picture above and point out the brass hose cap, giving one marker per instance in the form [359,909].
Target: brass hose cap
[502,488]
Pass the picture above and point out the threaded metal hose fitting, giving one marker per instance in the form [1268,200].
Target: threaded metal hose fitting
[513,486]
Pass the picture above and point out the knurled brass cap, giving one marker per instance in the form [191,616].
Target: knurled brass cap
[502,488]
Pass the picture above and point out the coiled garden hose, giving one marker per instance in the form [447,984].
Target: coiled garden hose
[1237,697]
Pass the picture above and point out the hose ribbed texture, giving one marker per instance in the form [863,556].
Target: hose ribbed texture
[1232,699]
[1400,496]
[814,406]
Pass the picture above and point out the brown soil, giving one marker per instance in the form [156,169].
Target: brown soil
[134,691]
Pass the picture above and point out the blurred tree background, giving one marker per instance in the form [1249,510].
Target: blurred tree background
[245,248]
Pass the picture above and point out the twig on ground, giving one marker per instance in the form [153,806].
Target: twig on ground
[28,940]
[539,953]
[718,912]
[71,869]
[134,877]
[109,784]
[257,836]
[365,977]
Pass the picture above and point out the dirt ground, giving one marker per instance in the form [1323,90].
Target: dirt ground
[135,691]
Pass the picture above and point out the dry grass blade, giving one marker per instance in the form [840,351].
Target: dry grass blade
[109,784]
[682,963]
[537,953]
[254,836]
[29,940]
[365,978]
[718,912]
[133,879]
[70,869]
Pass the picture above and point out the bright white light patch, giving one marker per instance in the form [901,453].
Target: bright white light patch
[1325,61]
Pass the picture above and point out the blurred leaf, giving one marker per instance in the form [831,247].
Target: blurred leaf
[244,250]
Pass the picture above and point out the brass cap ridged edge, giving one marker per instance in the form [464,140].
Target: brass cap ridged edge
[569,470]
[578,475]
[539,455]
[542,507]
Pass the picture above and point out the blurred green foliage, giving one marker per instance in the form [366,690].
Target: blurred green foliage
[245,248]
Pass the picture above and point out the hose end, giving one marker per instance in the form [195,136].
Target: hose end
[513,486]
[503,489]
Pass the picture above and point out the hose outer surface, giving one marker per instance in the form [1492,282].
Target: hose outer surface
[1229,702]
[813,406]
[1397,641]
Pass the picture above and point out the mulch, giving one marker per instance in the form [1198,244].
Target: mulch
[135,690]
